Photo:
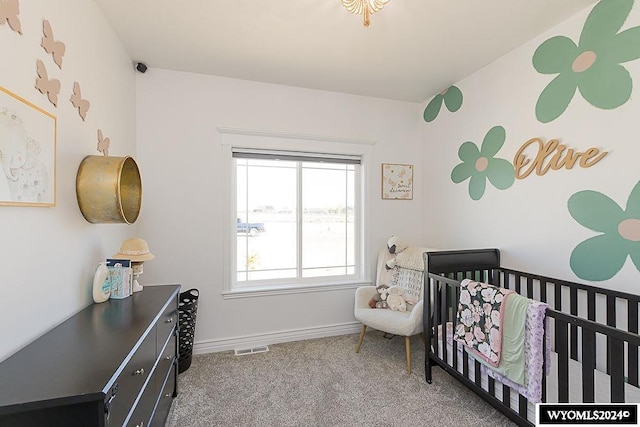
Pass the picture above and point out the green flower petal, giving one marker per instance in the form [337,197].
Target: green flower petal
[598,258]
[468,152]
[634,252]
[624,47]
[501,173]
[432,110]
[604,21]
[633,202]
[493,141]
[462,172]
[555,55]
[595,211]
[605,86]
[453,99]
[477,185]
[555,98]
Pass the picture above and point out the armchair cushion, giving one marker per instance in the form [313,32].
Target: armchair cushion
[405,323]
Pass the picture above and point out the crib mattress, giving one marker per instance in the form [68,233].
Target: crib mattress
[602,383]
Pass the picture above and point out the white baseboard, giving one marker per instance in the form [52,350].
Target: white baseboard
[249,341]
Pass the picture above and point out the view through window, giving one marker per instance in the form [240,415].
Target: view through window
[296,218]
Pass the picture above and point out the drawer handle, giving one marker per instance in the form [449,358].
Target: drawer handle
[141,424]
[169,320]
[167,395]
[168,357]
[139,371]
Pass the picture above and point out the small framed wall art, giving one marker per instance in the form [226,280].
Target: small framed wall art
[27,153]
[397,181]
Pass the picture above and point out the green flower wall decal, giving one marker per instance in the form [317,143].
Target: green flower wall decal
[481,164]
[452,98]
[593,66]
[602,256]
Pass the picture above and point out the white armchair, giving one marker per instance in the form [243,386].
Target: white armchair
[407,323]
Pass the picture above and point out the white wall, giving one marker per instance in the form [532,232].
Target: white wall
[48,255]
[530,221]
[180,153]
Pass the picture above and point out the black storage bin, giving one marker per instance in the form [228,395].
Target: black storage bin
[187,310]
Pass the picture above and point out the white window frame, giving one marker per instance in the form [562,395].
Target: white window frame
[232,138]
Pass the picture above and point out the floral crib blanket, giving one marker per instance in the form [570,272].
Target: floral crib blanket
[479,319]
[519,364]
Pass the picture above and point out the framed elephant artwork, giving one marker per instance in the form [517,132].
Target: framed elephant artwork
[27,153]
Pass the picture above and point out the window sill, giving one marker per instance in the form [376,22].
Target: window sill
[256,291]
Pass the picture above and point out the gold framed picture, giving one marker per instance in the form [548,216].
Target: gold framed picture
[397,181]
[27,153]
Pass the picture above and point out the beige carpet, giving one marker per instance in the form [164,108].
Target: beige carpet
[323,382]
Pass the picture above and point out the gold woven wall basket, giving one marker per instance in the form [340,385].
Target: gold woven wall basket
[109,189]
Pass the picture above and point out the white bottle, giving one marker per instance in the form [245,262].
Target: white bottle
[101,283]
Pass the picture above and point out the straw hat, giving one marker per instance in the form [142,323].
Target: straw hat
[134,249]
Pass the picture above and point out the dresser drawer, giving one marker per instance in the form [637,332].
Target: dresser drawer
[165,399]
[167,357]
[166,323]
[144,409]
[129,383]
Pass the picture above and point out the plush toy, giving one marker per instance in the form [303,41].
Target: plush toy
[396,245]
[395,300]
[390,264]
[379,300]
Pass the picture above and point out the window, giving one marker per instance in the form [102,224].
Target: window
[298,218]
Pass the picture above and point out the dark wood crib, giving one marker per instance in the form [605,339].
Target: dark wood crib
[593,334]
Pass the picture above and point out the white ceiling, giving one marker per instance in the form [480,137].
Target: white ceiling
[412,50]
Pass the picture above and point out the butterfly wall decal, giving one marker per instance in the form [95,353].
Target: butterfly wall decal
[9,11]
[81,104]
[55,48]
[103,143]
[49,87]
[364,7]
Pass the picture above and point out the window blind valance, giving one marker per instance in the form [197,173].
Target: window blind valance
[250,153]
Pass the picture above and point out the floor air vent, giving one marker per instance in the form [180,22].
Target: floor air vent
[254,350]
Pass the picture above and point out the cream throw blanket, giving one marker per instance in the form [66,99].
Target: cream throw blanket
[411,258]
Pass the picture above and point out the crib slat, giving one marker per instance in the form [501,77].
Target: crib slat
[543,290]
[506,395]
[530,287]
[495,277]
[588,365]
[437,288]
[563,360]
[522,407]
[611,321]
[591,315]
[518,279]
[557,298]
[611,310]
[478,374]
[617,370]
[557,305]
[573,309]
[591,305]
[465,364]
[632,372]
[446,295]
[492,386]
[544,358]
[544,376]
[454,353]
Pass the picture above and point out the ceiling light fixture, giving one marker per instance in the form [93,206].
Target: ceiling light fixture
[364,7]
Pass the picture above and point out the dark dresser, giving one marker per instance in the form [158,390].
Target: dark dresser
[111,364]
